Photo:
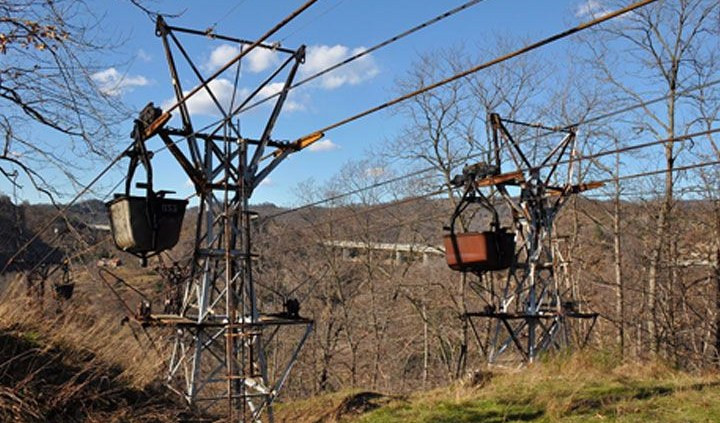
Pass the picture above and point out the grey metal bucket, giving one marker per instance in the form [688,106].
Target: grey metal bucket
[131,222]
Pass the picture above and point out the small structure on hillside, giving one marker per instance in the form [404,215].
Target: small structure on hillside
[392,252]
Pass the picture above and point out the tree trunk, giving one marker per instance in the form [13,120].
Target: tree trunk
[716,276]
[425,344]
[661,228]
[620,289]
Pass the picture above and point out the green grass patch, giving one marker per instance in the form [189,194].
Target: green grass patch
[594,387]
[454,412]
[32,337]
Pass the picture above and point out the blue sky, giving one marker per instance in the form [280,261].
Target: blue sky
[137,73]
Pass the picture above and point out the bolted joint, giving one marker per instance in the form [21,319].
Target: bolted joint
[300,54]
[161,28]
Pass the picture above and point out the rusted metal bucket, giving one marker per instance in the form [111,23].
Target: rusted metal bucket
[142,226]
[480,251]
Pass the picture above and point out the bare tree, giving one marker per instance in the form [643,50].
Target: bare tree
[657,50]
[53,108]
[706,102]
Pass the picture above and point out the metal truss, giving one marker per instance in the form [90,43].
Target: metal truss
[220,335]
[533,313]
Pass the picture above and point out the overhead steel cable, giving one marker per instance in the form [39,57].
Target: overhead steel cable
[679,138]
[462,160]
[393,225]
[80,253]
[228,13]
[338,65]
[62,211]
[369,50]
[233,113]
[240,55]
[313,20]
[371,209]
[87,187]
[643,194]
[661,171]
[463,74]
[397,100]
[347,194]
[330,68]
[436,192]
[385,227]
[528,48]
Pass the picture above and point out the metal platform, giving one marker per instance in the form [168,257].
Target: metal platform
[262,321]
[526,316]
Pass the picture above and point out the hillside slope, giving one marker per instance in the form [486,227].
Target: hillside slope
[587,387]
[44,383]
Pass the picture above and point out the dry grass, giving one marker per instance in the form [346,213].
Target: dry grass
[40,382]
[90,322]
[331,408]
[108,373]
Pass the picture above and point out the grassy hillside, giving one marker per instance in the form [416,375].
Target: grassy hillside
[586,387]
[50,374]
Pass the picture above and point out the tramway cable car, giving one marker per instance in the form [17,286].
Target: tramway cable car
[490,250]
[145,225]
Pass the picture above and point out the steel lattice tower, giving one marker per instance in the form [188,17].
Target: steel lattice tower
[533,312]
[220,334]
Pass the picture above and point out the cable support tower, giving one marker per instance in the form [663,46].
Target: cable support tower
[533,313]
[221,333]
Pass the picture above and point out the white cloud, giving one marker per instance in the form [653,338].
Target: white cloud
[202,104]
[258,60]
[144,56]
[290,105]
[267,182]
[323,145]
[114,83]
[320,57]
[261,58]
[591,8]
[221,55]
